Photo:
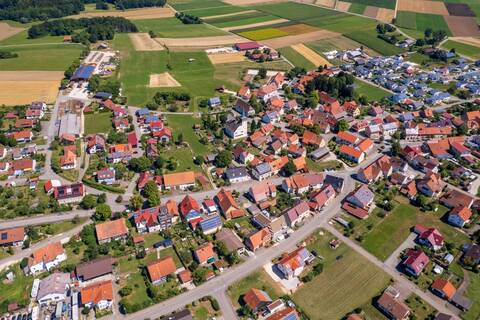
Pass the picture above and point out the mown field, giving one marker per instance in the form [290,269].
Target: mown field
[241,19]
[296,58]
[389,4]
[421,21]
[463,48]
[174,28]
[371,92]
[369,38]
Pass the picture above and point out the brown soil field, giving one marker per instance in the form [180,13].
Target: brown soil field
[385,15]
[133,14]
[310,55]
[229,14]
[371,12]
[468,40]
[24,92]
[221,58]
[302,38]
[298,29]
[422,6]
[143,42]
[305,1]
[460,9]
[326,3]
[31,75]
[343,6]
[463,26]
[6,31]
[163,80]
[250,2]
[201,42]
[255,25]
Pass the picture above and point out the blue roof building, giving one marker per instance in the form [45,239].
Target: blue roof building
[211,224]
[84,72]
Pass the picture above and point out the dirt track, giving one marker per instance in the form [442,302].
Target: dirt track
[163,80]
[201,42]
[463,26]
[311,55]
[143,42]
[133,14]
[6,31]
[423,6]
[255,25]
[296,39]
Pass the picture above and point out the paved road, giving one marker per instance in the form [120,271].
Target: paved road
[44,219]
[228,312]
[392,261]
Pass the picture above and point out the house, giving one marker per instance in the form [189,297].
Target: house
[242,107]
[179,180]
[23,166]
[95,143]
[237,174]
[106,176]
[120,153]
[362,197]
[351,153]
[111,231]
[12,237]
[94,269]
[344,137]
[455,198]
[431,184]
[262,171]
[443,288]
[68,160]
[409,190]
[288,313]
[262,191]
[382,168]
[389,303]
[301,183]
[46,258]
[53,288]
[430,237]
[210,224]
[471,254]
[159,270]
[237,129]
[322,198]
[189,207]
[22,136]
[258,239]
[231,240]
[98,295]
[50,185]
[415,261]
[310,138]
[242,156]
[257,300]
[204,254]
[297,213]
[184,314]
[292,264]
[459,216]
[72,193]
[228,206]
[152,219]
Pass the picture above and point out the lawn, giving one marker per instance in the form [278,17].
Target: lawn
[183,157]
[420,308]
[473,293]
[263,34]
[259,280]
[373,93]
[184,124]
[389,4]
[174,28]
[17,291]
[98,122]
[391,231]
[319,166]
[345,274]
[43,57]
[369,39]
[463,49]
[296,58]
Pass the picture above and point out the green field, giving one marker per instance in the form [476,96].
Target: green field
[395,228]
[184,124]
[241,19]
[357,8]
[215,11]
[196,4]
[421,21]
[462,48]
[389,4]
[373,93]
[263,34]
[369,39]
[296,58]
[174,28]
[473,293]
[98,123]
[351,279]
[43,57]
[338,43]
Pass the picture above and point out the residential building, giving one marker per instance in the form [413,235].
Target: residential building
[228,206]
[232,241]
[204,254]
[46,258]
[415,261]
[179,180]
[53,288]
[237,174]
[292,264]
[237,129]
[258,239]
[431,184]
[362,197]
[94,269]
[351,154]
[301,183]
[443,288]
[257,300]
[390,304]
[262,191]
[12,237]
[98,295]
[159,270]
[67,194]
[111,231]
[262,171]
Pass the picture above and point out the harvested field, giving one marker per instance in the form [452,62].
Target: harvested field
[326,3]
[302,38]
[163,80]
[422,6]
[298,29]
[251,2]
[221,58]
[255,25]
[143,42]
[310,55]
[343,6]
[6,31]
[230,14]
[463,26]
[385,15]
[468,40]
[371,12]
[24,92]
[133,14]
[460,9]
[201,42]
[28,75]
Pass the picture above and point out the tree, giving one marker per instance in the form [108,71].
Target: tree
[152,194]
[140,164]
[223,159]
[136,201]
[289,169]
[428,32]
[103,212]
[180,138]
[342,125]
[262,73]
[88,202]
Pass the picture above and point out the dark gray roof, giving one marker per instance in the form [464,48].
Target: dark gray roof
[237,172]
[263,168]
[95,268]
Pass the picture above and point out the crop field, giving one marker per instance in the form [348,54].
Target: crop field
[215,11]
[369,39]
[197,4]
[432,7]
[310,55]
[357,8]
[389,4]
[174,28]
[463,48]
[296,58]
[244,20]
[338,43]
[345,274]
[435,22]
[263,34]
[6,31]
[132,14]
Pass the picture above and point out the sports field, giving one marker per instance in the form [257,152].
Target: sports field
[174,28]
[347,277]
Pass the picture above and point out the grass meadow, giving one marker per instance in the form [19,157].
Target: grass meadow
[389,4]
[421,21]
[463,49]
[174,28]
[296,58]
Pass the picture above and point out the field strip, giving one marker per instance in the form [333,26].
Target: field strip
[423,6]
[24,92]
[326,3]
[6,31]
[385,15]
[301,38]
[163,80]
[463,26]
[222,58]
[143,42]
[132,14]
[254,25]
[200,42]
[343,5]
[310,55]
[467,40]
[229,14]
[251,2]
[31,75]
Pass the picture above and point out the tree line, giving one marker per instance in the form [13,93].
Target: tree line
[188,18]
